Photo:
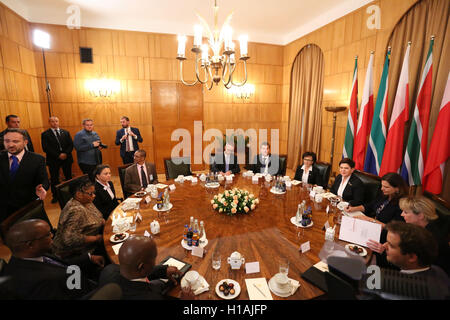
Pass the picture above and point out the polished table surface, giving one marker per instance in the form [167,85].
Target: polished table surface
[264,234]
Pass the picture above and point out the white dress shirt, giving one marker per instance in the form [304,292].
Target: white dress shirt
[265,160]
[412,271]
[342,186]
[305,174]
[149,179]
[130,138]
[107,187]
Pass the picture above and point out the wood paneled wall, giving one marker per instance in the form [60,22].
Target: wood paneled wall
[340,42]
[19,87]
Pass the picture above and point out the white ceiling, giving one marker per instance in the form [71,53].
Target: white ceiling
[267,21]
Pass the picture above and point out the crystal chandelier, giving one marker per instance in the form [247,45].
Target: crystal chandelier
[104,88]
[220,66]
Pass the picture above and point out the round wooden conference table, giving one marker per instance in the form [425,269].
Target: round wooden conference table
[264,234]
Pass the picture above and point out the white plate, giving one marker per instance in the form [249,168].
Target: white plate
[201,244]
[212,185]
[274,288]
[276,192]
[294,222]
[237,289]
[155,207]
[140,194]
[127,235]
[362,254]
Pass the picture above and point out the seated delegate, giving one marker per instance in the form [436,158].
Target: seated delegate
[348,186]
[308,173]
[105,195]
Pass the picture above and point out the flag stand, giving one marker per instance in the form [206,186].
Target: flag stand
[335,110]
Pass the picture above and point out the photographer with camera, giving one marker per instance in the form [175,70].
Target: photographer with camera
[88,145]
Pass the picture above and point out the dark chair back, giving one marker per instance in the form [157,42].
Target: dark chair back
[372,185]
[324,173]
[2,265]
[121,171]
[442,206]
[33,210]
[283,164]
[63,190]
[173,170]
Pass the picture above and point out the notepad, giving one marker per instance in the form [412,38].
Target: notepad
[258,289]
[174,263]
[359,231]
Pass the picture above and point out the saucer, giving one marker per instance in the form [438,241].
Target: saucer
[276,192]
[294,222]
[276,290]
[202,244]
[236,287]
[155,207]
[212,185]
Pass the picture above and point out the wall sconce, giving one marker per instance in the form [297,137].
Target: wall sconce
[102,87]
[244,92]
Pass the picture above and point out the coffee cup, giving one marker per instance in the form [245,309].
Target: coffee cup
[192,278]
[282,281]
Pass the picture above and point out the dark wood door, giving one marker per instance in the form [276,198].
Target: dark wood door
[174,106]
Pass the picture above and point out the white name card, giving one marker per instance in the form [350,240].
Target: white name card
[148,199]
[252,267]
[197,251]
[147,234]
[305,247]
[288,184]
[255,178]
[194,180]
[312,194]
[327,225]
[172,187]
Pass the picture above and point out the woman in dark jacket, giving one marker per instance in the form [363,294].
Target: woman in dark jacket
[105,195]
[308,173]
[348,186]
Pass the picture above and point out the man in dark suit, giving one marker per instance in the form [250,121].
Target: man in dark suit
[13,121]
[265,162]
[33,274]
[58,145]
[23,176]
[128,138]
[137,274]
[140,174]
[226,162]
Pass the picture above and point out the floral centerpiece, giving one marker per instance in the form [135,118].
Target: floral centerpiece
[234,201]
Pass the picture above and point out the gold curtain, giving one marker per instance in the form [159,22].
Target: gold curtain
[424,19]
[305,105]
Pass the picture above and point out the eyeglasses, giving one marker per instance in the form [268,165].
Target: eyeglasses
[90,193]
[305,159]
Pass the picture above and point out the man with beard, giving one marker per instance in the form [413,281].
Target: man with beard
[128,138]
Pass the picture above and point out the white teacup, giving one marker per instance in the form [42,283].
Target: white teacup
[282,281]
[287,178]
[192,278]
[342,205]
[318,189]
[318,198]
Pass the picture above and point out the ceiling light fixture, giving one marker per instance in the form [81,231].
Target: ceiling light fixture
[219,66]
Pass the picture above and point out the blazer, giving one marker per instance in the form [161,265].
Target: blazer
[50,146]
[136,290]
[123,144]
[103,200]
[34,280]
[274,164]
[29,144]
[132,183]
[387,210]
[86,152]
[313,176]
[219,166]
[353,192]
[15,194]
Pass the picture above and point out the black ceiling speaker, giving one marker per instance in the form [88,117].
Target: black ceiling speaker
[86,55]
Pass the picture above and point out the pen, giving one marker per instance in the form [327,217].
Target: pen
[259,290]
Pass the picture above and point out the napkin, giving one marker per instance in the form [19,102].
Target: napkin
[295,182]
[294,285]
[203,287]
[328,195]
[116,248]
[254,293]
[161,185]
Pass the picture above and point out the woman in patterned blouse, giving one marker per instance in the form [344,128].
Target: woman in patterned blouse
[80,224]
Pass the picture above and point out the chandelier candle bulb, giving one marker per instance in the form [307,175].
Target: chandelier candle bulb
[181,45]
[243,42]
[205,49]
[198,30]
[228,37]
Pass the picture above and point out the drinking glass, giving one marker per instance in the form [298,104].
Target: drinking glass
[283,264]
[216,260]
[132,226]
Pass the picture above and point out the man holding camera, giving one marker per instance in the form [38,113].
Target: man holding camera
[88,145]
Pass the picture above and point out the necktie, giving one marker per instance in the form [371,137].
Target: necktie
[53,262]
[144,178]
[14,167]
[127,142]
[58,138]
